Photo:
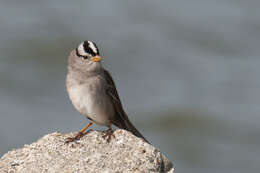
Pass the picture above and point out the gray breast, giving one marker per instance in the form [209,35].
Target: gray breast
[90,98]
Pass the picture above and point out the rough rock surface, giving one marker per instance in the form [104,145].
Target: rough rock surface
[92,153]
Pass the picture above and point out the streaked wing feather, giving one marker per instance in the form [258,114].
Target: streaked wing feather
[114,97]
[121,120]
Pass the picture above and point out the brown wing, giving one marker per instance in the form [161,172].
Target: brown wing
[114,97]
[121,120]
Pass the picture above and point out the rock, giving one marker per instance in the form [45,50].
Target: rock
[92,153]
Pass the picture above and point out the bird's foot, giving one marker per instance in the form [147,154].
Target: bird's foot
[76,137]
[79,135]
[109,134]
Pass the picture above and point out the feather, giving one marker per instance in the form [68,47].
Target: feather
[121,119]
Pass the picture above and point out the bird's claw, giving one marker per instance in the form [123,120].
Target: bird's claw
[108,135]
[71,139]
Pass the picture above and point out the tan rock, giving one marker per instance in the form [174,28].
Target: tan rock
[124,153]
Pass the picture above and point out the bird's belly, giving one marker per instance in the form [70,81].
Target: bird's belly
[93,104]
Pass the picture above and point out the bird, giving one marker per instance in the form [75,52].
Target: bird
[93,92]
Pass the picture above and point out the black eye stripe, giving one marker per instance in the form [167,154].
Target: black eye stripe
[88,49]
[96,47]
[77,53]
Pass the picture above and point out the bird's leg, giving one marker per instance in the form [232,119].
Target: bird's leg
[109,133]
[79,135]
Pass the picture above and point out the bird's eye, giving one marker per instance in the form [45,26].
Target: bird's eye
[83,57]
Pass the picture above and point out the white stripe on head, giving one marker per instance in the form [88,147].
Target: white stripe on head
[92,46]
[82,51]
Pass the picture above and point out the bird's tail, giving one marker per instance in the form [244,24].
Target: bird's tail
[127,125]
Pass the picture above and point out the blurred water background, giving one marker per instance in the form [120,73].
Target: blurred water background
[187,73]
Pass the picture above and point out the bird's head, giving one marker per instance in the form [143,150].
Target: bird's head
[85,57]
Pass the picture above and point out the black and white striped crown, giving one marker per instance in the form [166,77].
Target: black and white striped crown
[87,49]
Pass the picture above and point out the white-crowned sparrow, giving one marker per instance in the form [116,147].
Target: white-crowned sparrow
[93,92]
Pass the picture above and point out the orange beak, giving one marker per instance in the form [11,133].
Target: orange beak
[96,58]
